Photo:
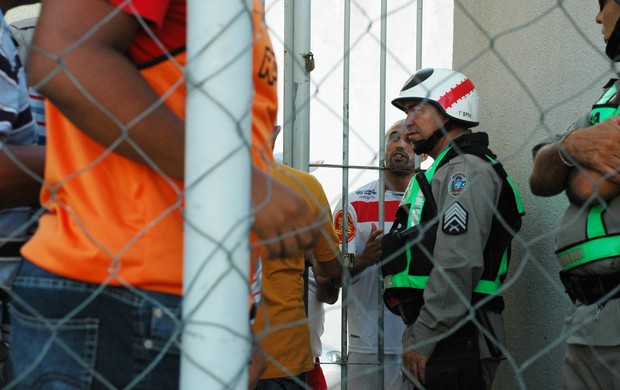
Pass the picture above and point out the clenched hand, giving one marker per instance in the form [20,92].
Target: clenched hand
[284,221]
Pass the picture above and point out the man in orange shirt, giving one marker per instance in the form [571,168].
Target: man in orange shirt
[104,270]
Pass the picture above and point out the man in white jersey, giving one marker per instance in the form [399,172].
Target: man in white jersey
[364,238]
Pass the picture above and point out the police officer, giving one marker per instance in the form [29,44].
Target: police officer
[447,254]
[584,162]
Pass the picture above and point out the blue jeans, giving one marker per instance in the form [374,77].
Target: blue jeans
[67,334]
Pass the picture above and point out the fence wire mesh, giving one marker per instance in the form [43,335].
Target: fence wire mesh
[536,65]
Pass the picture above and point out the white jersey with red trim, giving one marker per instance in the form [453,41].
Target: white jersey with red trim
[363,295]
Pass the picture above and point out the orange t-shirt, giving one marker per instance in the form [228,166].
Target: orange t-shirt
[281,326]
[111,219]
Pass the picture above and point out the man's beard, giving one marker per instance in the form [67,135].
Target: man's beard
[400,169]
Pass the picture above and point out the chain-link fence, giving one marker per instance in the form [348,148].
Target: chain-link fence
[536,65]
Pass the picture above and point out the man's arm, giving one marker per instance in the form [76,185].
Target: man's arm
[331,269]
[18,187]
[328,276]
[257,363]
[596,148]
[549,173]
[95,57]
[327,289]
[111,92]
[584,184]
[325,255]
[283,219]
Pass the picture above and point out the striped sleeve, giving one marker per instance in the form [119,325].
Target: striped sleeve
[17,125]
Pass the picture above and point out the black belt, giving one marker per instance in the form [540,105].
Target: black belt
[11,249]
[589,289]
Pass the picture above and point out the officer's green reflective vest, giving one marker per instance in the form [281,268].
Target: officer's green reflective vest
[598,245]
[603,109]
[419,249]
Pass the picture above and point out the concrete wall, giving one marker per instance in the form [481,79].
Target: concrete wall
[537,65]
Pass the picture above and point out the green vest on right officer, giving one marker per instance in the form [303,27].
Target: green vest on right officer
[583,164]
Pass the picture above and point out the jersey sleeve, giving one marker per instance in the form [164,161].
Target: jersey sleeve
[16,122]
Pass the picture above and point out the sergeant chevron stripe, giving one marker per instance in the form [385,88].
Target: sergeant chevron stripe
[455,219]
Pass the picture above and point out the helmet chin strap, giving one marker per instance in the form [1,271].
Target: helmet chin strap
[426,145]
[613,44]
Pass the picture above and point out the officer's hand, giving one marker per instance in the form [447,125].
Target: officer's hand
[415,364]
[284,220]
[597,147]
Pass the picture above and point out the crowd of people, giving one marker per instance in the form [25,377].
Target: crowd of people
[91,248]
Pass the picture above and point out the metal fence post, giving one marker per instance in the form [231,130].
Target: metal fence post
[215,340]
[297,59]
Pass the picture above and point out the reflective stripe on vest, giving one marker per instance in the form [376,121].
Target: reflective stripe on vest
[518,199]
[489,287]
[414,196]
[597,245]
[602,109]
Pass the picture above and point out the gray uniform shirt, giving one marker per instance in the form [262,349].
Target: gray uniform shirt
[459,264]
[591,325]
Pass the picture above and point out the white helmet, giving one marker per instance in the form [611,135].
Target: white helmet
[452,92]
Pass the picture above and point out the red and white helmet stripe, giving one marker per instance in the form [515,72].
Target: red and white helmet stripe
[449,90]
